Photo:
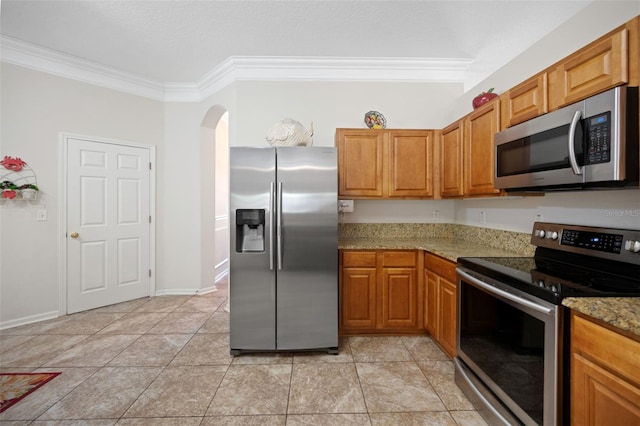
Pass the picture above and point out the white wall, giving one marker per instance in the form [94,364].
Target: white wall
[221,251]
[179,201]
[36,107]
[598,208]
[330,105]
[400,211]
[614,209]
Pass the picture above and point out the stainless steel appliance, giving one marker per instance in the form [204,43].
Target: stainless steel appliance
[284,249]
[589,144]
[512,356]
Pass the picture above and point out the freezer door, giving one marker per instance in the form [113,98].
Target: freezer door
[252,279]
[307,290]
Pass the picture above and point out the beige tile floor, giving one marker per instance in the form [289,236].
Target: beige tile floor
[165,361]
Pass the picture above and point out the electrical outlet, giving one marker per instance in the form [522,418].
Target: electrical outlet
[483,217]
[436,215]
[539,218]
[345,206]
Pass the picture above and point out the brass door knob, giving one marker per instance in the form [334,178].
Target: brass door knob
[74,235]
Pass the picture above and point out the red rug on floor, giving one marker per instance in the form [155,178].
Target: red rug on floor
[15,386]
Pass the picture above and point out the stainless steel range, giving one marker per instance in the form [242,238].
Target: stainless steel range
[512,358]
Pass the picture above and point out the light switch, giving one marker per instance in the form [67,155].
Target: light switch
[41,215]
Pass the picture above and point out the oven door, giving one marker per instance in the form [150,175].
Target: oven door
[509,352]
[544,152]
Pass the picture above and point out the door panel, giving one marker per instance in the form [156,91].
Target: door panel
[108,206]
[307,289]
[252,279]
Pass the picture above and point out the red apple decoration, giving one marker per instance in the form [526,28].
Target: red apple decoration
[483,98]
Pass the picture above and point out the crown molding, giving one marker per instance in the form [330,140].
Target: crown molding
[306,68]
[32,56]
[235,68]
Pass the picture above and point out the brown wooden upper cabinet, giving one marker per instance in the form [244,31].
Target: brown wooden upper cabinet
[451,146]
[595,68]
[611,60]
[385,163]
[525,101]
[467,157]
[480,126]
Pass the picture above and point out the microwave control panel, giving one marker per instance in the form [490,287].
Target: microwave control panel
[598,135]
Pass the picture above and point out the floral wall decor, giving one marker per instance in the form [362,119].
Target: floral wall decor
[17,180]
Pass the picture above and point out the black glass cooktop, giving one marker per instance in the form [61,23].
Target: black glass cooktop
[553,276]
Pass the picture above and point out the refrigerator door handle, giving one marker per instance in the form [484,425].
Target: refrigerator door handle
[279,227]
[272,200]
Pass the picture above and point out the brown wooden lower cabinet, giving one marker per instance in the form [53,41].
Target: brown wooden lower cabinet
[380,292]
[605,375]
[440,312]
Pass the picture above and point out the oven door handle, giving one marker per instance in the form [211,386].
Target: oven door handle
[506,295]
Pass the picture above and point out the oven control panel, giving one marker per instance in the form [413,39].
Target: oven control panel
[600,241]
[615,244]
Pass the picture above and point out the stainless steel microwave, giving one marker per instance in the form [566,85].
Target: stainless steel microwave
[590,144]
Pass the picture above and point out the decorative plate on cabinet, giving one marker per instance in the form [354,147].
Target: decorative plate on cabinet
[375,120]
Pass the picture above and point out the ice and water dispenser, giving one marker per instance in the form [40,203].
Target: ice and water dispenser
[249,230]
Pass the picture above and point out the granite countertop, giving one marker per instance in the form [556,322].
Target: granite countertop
[453,241]
[620,312]
[449,248]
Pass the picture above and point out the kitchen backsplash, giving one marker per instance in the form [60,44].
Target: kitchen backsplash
[513,241]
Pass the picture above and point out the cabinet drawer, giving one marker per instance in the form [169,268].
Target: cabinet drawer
[359,259]
[596,342]
[399,259]
[440,266]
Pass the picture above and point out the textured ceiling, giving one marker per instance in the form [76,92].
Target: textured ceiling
[181,41]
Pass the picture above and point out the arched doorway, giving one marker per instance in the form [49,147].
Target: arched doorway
[214,166]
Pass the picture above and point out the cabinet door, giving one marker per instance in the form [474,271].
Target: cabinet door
[399,298]
[358,298]
[605,375]
[360,162]
[451,161]
[448,302]
[431,303]
[410,163]
[599,397]
[480,126]
[593,69]
[525,101]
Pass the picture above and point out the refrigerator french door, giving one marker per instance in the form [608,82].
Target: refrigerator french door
[284,249]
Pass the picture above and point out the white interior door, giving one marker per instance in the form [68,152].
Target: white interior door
[108,223]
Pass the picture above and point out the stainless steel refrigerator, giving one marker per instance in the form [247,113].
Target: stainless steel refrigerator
[283,287]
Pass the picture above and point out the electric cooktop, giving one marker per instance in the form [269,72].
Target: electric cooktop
[570,261]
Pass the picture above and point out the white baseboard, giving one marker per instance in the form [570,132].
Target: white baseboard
[222,275]
[29,320]
[178,292]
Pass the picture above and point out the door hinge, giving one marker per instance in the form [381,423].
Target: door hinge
[149,165]
[149,219]
[149,273]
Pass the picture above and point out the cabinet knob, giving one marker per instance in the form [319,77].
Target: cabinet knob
[74,235]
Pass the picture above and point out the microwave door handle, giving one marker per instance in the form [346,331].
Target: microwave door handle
[572,148]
